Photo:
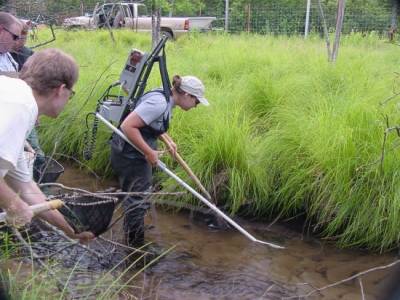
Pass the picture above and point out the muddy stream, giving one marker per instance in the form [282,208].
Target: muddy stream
[223,264]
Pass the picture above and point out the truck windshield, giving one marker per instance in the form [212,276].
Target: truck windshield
[142,11]
[105,9]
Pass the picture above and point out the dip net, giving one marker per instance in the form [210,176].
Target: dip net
[88,212]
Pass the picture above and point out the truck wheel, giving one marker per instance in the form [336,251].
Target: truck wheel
[168,34]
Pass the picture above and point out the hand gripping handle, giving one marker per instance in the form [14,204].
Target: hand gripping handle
[38,208]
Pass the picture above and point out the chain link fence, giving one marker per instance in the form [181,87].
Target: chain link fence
[277,18]
[267,18]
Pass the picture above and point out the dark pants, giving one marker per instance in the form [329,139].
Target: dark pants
[40,159]
[135,175]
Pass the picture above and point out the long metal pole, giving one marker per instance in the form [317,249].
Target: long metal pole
[307,25]
[162,166]
[226,15]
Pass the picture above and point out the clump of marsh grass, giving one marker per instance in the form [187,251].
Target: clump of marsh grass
[226,160]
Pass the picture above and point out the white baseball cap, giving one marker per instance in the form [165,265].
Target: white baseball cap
[193,86]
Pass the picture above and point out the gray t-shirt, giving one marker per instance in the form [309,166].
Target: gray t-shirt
[153,109]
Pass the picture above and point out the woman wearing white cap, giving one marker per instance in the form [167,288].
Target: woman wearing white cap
[144,124]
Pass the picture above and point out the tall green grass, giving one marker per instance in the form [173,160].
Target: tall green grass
[286,130]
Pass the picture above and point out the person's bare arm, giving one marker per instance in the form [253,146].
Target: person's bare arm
[18,212]
[130,128]
[31,194]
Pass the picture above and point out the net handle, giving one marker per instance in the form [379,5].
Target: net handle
[39,208]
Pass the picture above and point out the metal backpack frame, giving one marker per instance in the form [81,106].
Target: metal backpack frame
[133,80]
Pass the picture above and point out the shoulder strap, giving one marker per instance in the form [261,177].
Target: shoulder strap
[157,90]
[132,106]
[12,61]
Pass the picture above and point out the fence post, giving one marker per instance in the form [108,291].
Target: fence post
[155,23]
[226,15]
[82,8]
[339,25]
[171,8]
[248,19]
[307,19]
[393,23]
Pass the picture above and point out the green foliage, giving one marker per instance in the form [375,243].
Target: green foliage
[286,130]
[178,7]
[7,247]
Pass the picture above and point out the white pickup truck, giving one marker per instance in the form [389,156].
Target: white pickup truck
[135,16]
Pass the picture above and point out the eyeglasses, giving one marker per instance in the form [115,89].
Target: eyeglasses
[72,94]
[195,99]
[14,36]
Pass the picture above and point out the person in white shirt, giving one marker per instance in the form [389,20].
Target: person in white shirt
[44,87]
[10,32]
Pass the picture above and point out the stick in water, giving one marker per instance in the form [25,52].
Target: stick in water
[188,170]
[191,174]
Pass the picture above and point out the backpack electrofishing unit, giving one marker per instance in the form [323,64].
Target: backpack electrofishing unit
[133,80]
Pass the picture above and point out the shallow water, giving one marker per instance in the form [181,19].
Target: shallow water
[223,264]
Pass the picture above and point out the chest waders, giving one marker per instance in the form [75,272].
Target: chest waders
[134,172]
[135,175]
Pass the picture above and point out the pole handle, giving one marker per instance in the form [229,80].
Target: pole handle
[49,205]
[39,208]
[187,169]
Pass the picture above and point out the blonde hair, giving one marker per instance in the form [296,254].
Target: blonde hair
[48,69]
